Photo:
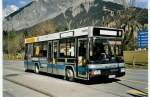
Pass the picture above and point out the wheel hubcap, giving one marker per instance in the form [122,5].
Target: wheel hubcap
[69,74]
[36,69]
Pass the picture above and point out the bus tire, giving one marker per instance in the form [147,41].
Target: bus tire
[36,69]
[69,74]
[26,70]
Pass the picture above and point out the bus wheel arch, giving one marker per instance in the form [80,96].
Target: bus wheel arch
[69,73]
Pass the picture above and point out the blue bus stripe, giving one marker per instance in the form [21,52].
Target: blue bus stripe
[59,66]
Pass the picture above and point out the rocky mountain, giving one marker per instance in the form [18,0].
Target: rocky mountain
[87,14]
[34,13]
[47,16]
[40,10]
[98,13]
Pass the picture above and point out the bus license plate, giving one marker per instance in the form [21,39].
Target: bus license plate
[111,76]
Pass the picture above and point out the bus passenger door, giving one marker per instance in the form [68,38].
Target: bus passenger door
[29,55]
[55,54]
[43,49]
[50,59]
[81,57]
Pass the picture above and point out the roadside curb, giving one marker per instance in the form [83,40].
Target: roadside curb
[137,93]
[135,89]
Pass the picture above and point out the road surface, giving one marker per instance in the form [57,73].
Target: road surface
[17,83]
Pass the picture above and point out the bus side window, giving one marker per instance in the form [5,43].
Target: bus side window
[71,51]
[37,51]
[40,49]
[70,48]
[62,49]
[55,48]
[26,51]
[29,51]
[82,49]
[49,50]
[43,50]
[67,48]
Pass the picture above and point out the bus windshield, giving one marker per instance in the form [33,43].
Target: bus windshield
[106,51]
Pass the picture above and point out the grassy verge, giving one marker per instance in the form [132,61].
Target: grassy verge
[139,58]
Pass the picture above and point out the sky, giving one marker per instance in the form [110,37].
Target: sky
[142,3]
[10,6]
[17,3]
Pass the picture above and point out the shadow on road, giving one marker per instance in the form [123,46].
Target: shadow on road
[97,81]
[49,75]
[86,82]
[101,80]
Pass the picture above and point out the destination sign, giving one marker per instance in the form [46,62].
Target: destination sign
[107,32]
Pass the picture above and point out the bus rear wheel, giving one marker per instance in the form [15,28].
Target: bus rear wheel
[26,70]
[69,75]
[36,69]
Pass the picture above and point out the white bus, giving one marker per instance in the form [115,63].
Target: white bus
[82,53]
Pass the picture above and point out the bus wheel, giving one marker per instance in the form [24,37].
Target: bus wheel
[36,69]
[26,70]
[69,75]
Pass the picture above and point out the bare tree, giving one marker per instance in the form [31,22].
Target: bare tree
[127,3]
[68,22]
[132,2]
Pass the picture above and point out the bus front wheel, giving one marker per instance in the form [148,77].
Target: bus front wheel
[69,75]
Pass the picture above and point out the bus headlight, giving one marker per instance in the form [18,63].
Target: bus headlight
[121,64]
[122,70]
[96,72]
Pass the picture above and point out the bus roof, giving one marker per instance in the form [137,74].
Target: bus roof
[64,34]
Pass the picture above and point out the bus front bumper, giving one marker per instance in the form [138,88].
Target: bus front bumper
[107,73]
